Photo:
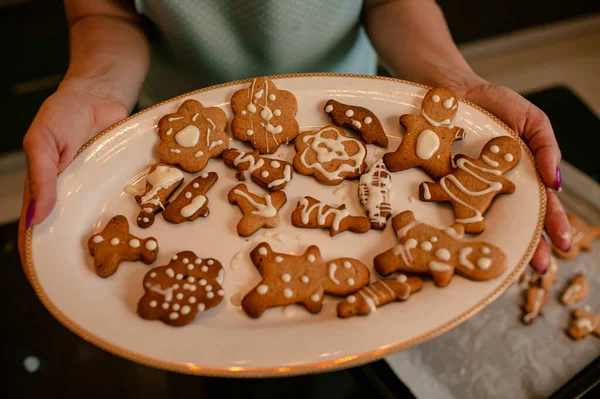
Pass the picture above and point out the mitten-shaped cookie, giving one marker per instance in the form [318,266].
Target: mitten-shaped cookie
[258,212]
[311,213]
[377,294]
[161,182]
[475,182]
[270,174]
[290,279]
[428,140]
[359,119]
[374,194]
[175,293]
[582,236]
[440,253]
[114,245]
[191,203]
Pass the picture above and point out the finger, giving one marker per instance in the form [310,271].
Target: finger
[557,224]
[540,261]
[42,160]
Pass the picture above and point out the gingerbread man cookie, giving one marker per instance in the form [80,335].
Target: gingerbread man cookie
[114,245]
[377,294]
[535,300]
[311,213]
[359,119]
[475,182]
[264,116]
[582,236]
[291,279]
[584,323]
[270,174]
[258,211]
[429,136]
[175,293]
[191,203]
[440,253]
[577,290]
[374,194]
[192,135]
[329,155]
[161,182]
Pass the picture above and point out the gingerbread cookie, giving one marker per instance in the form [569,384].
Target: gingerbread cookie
[264,116]
[584,323]
[192,135]
[310,213]
[161,182]
[474,184]
[582,236]
[329,155]
[440,253]
[531,278]
[191,203]
[270,174]
[114,245]
[377,294]
[290,279]
[429,136]
[535,300]
[175,293]
[359,119]
[258,211]
[577,290]
[374,194]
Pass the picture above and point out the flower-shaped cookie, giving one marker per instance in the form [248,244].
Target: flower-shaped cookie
[264,116]
[192,135]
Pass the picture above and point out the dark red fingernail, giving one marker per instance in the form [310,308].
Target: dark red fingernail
[543,272]
[558,179]
[30,214]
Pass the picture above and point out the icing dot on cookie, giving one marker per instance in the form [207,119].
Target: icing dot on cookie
[435,98]
[411,243]
[188,195]
[210,262]
[148,285]
[485,250]
[153,274]
[204,269]
[201,307]
[264,173]
[198,154]
[174,257]
[262,289]
[198,261]
[192,299]
[179,276]
[350,281]
[310,258]
[173,316]
[263,251]
[442,254]
[367,120]
[329,108]
[286,277]
[275,164]
[351,299]
[433,239]
[401,278]
[494,149]
[185,260]
[426,246]
[210,295]
[151,245]
[175,306]
[134,243]
[146,220]
[272,97]
[202,281]
[484,263]
[153,304]
[204,175]
[356,124]
[347,264]
[165,306]
[169,272]
[221,292]
[179,296]
[191,279]
[208,288]
[98,239]
[243,112]
[115,241]
[190,267]
[277,112]
[278,259]
[288,293]
[195,185]
[304,279]
[185,309]
[250,132]
[508,157]
[349,113]
[175,286]
[315,297]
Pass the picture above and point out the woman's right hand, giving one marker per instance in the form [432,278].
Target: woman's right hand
[77,111]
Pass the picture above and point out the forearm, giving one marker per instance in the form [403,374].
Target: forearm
[414,42]
[109,55]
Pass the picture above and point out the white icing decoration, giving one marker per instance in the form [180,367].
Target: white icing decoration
[332,269]
[221,292]
[251,108]
[401,278]
[439,266]
[175,118]
[195,185]
[250,132]
[219,278]
[435,98]
[351,299]
[179,296]
[153,274]
[176,150]
[174,257]
[356,124]
[426,246]
[442,254]
[174,316]
[168,133]
[167,293]
[258,95]
[287,176]
[262,289]
[277,112]
[243,112]
[368,120]
[169,272]
[215,144]
[252,164]
[349,113]
[452,233]
[339,214]
[427,144]
[115,241]
[310,258]
[193,207]
[445,122]
[272,97]
[265,210]
[188,195]
[185,309]
[485,250]
[347,264]
[494,149]
[196,115]
[463,258]
[134,243]
[484,263]
[404,230]
[201,307]
[162,177]
[286,277]
[204,269]
[288,293]
[433,239]
[368,301]
[198,154]
[192,299]
[350,281]
[278,259]
[275,164]
[151,245]
[304,279]
[264,174]
[490,161]
[153,304]
[188,136]
[210,295]
[315,297]
[202,282]
[146,220]
[448,103]
[98,239]
[508,157]
[263,251]
[426,192]
[329,108]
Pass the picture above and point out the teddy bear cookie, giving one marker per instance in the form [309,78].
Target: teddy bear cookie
[304,279]
[377,294]
[311,213]
[329,155]
[114,245]
[161,182]
[175,293]
[429,136]
[577,290]
[474,183]
[584,323]
[264,116]
[374,194]
[535,300]
[191,203]
[582,236]
[440,253]
[270,174]
[192,135]
[258,212]
[359,119]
